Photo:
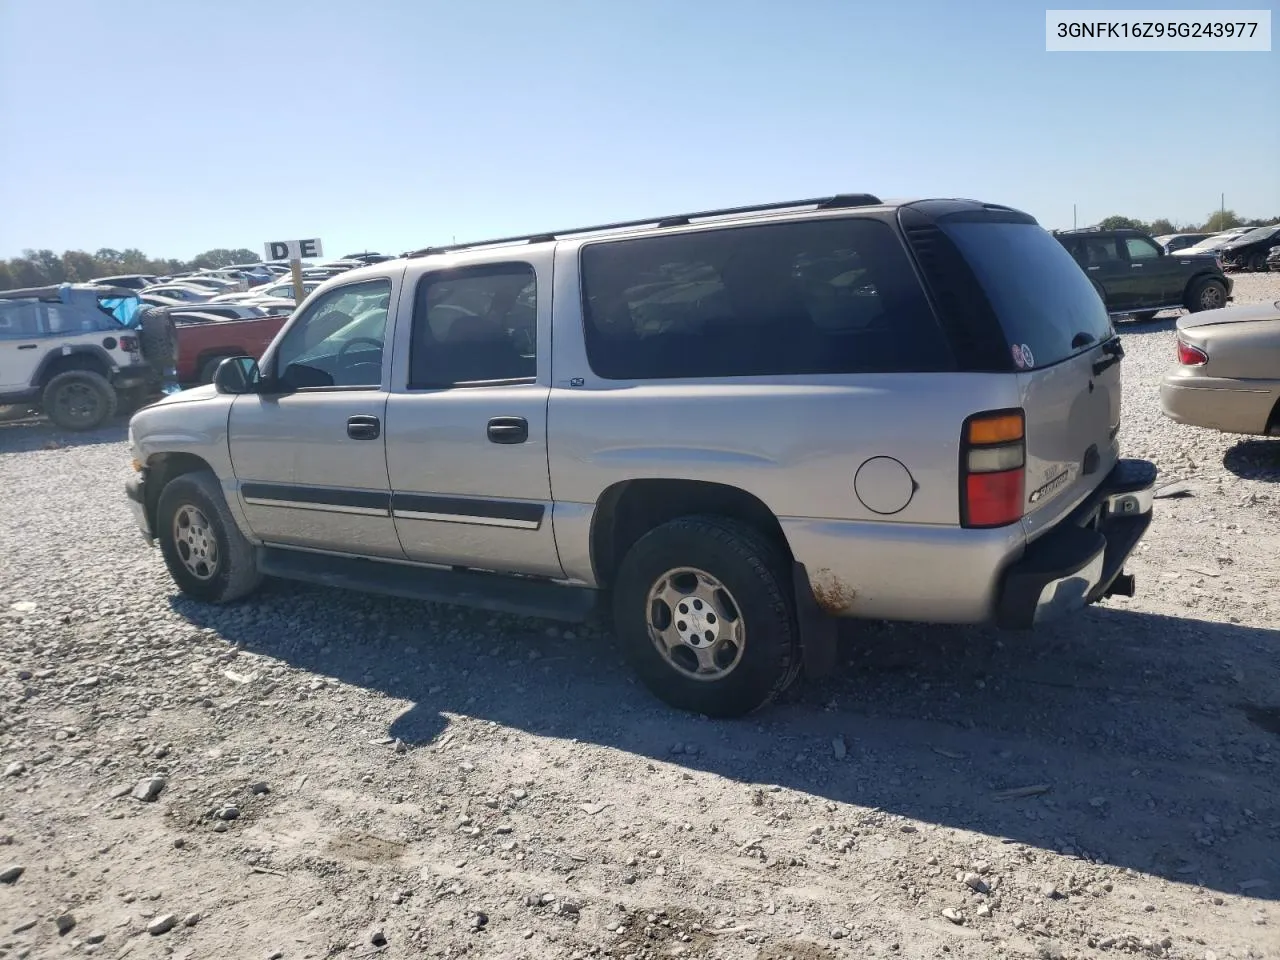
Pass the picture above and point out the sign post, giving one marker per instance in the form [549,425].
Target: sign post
[294,251]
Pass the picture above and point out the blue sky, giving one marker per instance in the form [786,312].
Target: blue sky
[389,124]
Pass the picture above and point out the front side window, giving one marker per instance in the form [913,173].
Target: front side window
[475,326]
[338,341]
[1140,248]
[827,296]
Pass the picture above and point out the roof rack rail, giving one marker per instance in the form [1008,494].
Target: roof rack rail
[836,202]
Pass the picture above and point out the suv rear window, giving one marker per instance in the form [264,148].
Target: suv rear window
[1041,297]
[812,297]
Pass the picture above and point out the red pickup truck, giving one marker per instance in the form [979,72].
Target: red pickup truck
[202,346]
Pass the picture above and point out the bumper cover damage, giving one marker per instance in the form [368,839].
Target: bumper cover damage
[1082,560]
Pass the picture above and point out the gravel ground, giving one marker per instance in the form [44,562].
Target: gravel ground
[319,774]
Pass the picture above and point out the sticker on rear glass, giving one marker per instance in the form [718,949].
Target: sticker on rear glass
[1023,358]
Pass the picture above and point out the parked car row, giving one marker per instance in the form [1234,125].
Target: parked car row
[1240,248]
[243,282]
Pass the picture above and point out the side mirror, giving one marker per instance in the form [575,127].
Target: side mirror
[237,375]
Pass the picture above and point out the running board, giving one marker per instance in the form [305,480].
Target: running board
[495,592]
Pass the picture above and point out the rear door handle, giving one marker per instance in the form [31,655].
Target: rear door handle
[1095,268]
[1135,266]
[508,430]
[364,428]
[26,346]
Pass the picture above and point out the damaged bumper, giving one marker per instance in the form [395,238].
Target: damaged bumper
[1082,560]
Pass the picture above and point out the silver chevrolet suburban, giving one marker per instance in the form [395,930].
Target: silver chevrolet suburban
[735,425]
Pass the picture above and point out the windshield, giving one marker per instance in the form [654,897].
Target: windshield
[1213,243]
[1260,233]
[1047,307]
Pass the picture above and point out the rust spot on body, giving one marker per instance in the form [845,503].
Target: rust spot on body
[832,594]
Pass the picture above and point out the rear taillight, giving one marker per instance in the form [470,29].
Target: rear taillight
[993,457]
[1190,356]
[129,343]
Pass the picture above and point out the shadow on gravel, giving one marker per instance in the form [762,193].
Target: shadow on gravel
[1128,326]
[1254,460]
[1142,741]
[37,433]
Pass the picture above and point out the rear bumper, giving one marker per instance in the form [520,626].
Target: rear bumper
[1082,560]
[1233,406]
[134,375]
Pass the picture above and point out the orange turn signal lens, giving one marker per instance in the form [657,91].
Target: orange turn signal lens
[1001,428]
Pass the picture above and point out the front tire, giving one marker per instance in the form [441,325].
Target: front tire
[704,610]
[207,555]
[1207,294]
[79,400]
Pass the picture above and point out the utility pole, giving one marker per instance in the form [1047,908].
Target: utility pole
[1222,212]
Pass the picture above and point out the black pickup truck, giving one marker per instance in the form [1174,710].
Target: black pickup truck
[1135,276]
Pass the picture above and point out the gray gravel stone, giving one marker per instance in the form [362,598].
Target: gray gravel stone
[147,790]
[162,924]
[11,873]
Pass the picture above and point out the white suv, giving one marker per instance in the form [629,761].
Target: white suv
[69,351]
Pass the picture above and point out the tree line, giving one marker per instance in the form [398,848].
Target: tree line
[1217,221]
[39,268]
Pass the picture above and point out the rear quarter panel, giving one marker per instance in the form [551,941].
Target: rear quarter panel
[795,443]
[1243,351]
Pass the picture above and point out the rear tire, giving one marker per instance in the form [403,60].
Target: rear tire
[1258,262]
[79,400]
[1207,293]
[207,555]
[704,610]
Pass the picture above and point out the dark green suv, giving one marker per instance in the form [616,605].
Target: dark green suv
[1135,276]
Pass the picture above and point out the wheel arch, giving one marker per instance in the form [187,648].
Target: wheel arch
[90,357]
[1273,421]
[1199,277]
[629,509]
[210,353]
[162,468]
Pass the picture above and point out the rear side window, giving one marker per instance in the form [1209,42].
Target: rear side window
[475,326]
[1046,305]
[814,297]
[20,318]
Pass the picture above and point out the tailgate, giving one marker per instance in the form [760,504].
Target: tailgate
[1073,422]
[1064,352]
